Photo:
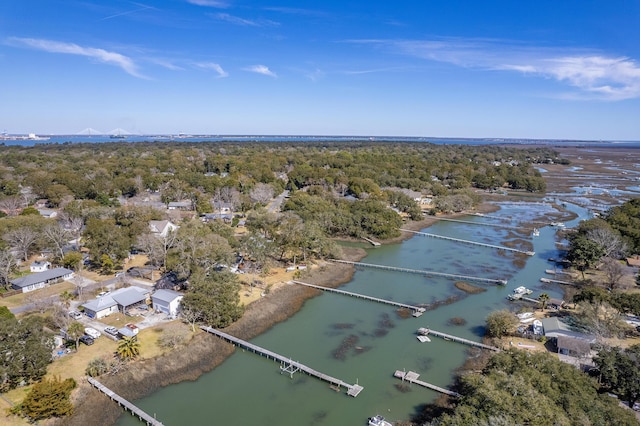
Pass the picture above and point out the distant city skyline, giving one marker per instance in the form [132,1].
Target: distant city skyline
[493,69]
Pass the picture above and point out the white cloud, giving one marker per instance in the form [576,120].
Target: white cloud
[209,3]
[261,69]
[215,67]
[100,55]
[596,76]
[235,20]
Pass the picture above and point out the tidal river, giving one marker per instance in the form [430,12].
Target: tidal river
[364,342]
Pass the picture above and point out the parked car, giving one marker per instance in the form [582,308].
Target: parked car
[92,332]
[111,330]
[75,315]
[87,340]
[103,293]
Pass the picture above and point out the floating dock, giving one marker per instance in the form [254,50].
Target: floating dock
[458,240]
[423,272]
[124,403]
[417,311]
[430,332]
[286,364]
[412,377]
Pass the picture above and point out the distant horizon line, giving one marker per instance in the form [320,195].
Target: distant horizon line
[373,137]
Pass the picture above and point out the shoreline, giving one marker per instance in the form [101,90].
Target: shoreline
[205,353]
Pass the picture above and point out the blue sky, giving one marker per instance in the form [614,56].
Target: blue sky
[442,68]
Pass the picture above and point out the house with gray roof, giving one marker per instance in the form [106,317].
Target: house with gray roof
[41,279]
[554,328]
[161,228]
[167,301]
[117,301]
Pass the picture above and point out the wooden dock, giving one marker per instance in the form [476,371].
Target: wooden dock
[286,364]
[149,420]
[422,272]
[513,297]
[417,311]
[547,280]
[430,332]
[458,240]
[560,272]
[370,241]
[412,377]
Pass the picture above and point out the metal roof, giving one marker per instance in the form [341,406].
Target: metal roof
[164,295]
[39,277]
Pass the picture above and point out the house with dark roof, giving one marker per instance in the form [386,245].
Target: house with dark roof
[117,301]
[167,301]
[41,279]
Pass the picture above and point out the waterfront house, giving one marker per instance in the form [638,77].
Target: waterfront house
[120,300]
[41,279]
[554,328]
[167,301]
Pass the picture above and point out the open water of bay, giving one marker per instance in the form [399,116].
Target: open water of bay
[248,389]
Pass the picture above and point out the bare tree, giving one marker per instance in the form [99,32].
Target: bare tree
[39,300]
[12,205]
[157,247]
[231,196]
[8,265]
[611,242]
[261,193]
[191,316]
[56,237]
[22,240]
[614,272]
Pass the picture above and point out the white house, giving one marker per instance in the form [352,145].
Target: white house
[118,300]
[167,301]
[39,266]
[41,279]
[161,228]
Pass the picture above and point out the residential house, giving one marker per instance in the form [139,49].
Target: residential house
[180,205]
[167,301]
[554,328]
[48,213]
[39,266]
[571,346]
[41,279]
[119,300]
[161,228]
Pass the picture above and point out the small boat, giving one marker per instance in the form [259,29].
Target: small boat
[525,315]
[378,421]
[557,224]
[538,330]
[423,339]
[536,232]
[522,290]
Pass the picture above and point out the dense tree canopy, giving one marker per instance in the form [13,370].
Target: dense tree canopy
[25,351]
[534,388]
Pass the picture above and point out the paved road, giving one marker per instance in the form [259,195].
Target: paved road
[274,206]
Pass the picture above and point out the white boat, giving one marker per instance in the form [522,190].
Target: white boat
[378,421]
[423,339]
[557,224]
[537,328]
[536,232]
[522,290]
[525,315]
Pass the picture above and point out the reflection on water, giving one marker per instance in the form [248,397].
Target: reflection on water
[365,342]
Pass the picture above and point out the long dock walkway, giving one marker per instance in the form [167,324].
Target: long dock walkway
[430,332]
[124,403]
[286,364]
[412,377]
[458,240]
[470,222]
[423,272]
[548,280]
[417,311]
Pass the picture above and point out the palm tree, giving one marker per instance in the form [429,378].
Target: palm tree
[543,298]
[75,331]
[128,348]
[66,297]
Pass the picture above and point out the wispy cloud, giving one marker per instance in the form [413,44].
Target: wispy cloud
[209,3]
[296,11]
[261,69]
[214,67]
[594,74]
[235,20]
[129,12]
[111,58]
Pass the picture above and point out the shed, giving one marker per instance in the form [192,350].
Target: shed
[167,301]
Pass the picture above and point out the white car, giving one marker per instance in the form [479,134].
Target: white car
[103,293]
[75,315]
[92,332]
[111,330]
